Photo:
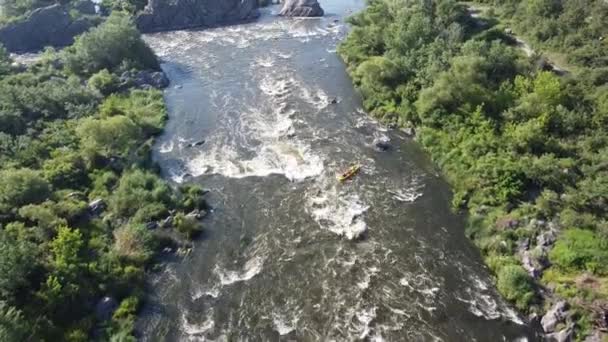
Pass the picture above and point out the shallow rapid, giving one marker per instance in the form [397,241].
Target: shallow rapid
[288,252]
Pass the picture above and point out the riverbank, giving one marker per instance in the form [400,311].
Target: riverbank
[518,144]
[84,214]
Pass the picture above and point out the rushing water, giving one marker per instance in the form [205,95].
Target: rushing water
[280,258]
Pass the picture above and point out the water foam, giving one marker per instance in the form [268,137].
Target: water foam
[252,268]
[166,147]
[339,213]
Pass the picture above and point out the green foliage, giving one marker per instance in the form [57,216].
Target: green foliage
[138,189]
[17,260]
[133,242]
[103,82]
[145,107]
[20,187]
[516,285]
[579,249]
[12,325]
[113,44]
[515,141]
[114,136]
[70,134]
[187,225]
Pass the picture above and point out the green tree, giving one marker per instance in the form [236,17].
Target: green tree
[19,187]
[108,46]
[17,259]
[113,136]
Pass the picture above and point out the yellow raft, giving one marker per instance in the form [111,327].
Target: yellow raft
[350,173]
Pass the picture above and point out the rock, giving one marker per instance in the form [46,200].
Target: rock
[105,308]
[163,15]
[152,225]
[523,245]
[167,222]
[145,79]
[97,206]
[564,335]
[546,238]
[554,316]
[508,31]
[196,143]
[596,336]
[46,26]
[301,8]
[197,214]
[409,131]
[85,7]
[382,143]
[505,223]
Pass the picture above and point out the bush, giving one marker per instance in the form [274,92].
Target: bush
[133,242]
[103,82]
[516,285]
[187,225]
[138,189]
[578,249]
[19,187]
[113,44]
[17,260]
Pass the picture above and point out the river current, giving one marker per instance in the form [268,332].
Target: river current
[288,253]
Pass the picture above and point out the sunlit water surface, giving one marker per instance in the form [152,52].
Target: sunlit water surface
[279,259]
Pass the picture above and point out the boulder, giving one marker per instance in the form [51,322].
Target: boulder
[382,143]
[167,222]
[163,15]
[596,336]
[46,26]
[564,335]
[152,225]
[97,206]
[197,214]
[301,8]
[86,7]
[105,308]
[557,314]
[546,238]
[196,143]
[145,79]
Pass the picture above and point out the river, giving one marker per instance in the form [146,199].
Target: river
[288,253]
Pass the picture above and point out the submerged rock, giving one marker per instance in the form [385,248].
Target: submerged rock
[382,143]
[163,15]
[301,8]
[197,143]
[46,26]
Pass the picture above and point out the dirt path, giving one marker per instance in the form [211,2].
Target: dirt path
[476,11]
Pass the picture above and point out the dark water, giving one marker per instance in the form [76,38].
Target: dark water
[280,259]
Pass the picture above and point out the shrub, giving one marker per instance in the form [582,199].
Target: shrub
[581,249]
[187,225]
[20,187]
[133,242]
[103,82]
[516,285]
[108,46]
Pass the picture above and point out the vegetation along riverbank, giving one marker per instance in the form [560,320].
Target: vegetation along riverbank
[83,211]
[524,148]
